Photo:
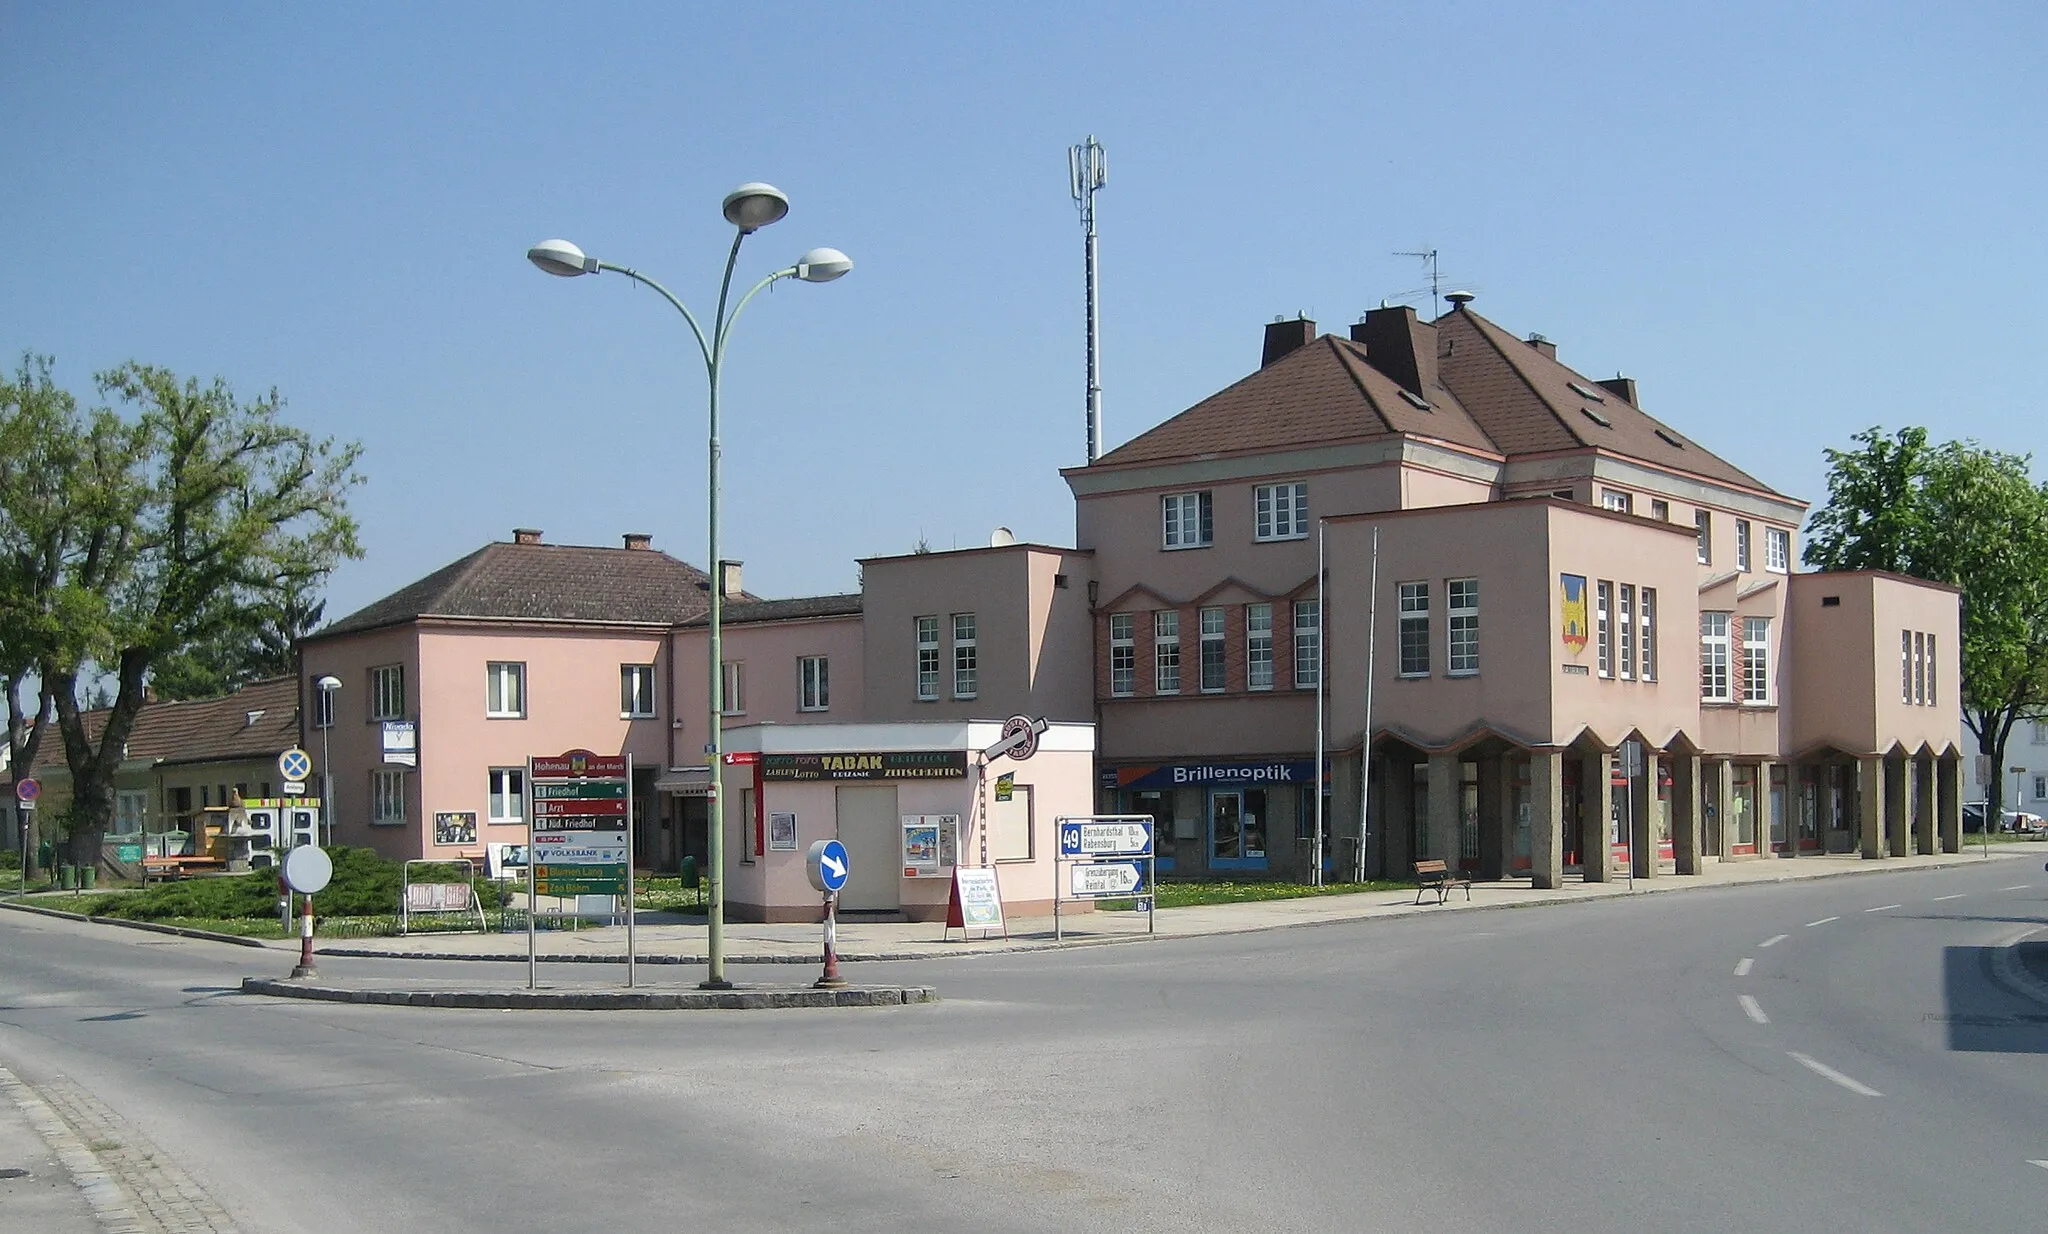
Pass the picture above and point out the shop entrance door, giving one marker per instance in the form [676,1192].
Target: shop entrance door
[1574,821]
[873,836]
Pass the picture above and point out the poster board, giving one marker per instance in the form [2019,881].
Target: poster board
[931,845]
[976,902]
[782,833]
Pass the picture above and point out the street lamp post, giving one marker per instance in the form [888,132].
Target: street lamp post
[748,208]
[327,686]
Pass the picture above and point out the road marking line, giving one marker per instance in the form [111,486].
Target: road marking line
[1750,1008]
[1822,921]
[1957,896]
[1772,941]
[1881,908]
[1822,1069]
[1742,969]
[2042,1164]
[2020,887]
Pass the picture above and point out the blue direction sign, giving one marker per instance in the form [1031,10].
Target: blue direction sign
[828,865]
[1105,838]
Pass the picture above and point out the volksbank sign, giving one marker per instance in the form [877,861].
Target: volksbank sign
[1195,775]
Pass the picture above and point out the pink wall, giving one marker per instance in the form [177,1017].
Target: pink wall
[355,741]
[1845,662]
[770,651]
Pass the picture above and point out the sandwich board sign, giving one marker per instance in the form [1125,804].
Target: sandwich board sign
[976,902]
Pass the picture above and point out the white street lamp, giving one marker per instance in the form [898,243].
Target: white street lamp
[327,686]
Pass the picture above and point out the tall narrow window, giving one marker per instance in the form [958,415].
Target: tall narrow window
[323,707]
[1603,626]
[1462,625]
[504,691]
[1166,651]
[387,692]
[1258,646]
[1308,643]
[966,657]
[387,797]
[927,658]
[1123,654]
[1777,549]
[813,683]
[636,691]
[1626,620]
[1280,512]
[1933,700]
[1212,650]
[1703,528]
[1919,668]
[1906,667]
[1756,660]
[732,688]
[1187,520]
[506,795]
[1648,634]
[1714,683]
[1414,629]
[1742,544]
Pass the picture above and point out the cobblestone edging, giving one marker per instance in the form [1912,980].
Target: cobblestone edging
[127,1181]
[602,1000]
[149,926]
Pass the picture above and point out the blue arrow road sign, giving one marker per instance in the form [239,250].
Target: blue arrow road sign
[828,865]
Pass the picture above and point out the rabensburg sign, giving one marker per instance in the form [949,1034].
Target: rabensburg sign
[878,765]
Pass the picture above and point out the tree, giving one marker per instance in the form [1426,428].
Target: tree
[184,525]
[262,645]
[1960,514]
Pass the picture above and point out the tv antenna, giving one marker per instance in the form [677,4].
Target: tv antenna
[1087,172]
[1435,278]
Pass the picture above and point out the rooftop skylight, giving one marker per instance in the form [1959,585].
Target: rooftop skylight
[1596,417]
[1416,400]
[1666,435]
[1586,392]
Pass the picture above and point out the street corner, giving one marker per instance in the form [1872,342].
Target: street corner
[739,998]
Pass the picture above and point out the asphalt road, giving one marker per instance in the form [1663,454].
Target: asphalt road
[1825,1056]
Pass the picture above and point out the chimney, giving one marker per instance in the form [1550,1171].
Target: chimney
[1543,345]
[729,579]
[1283,336]
[639,540]
[526,535]
[1400,345]
[1623,388]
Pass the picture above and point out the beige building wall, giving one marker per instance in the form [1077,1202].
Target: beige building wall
[355,741]
[1848,688]
[770,652]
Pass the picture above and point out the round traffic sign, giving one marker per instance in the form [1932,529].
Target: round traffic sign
[307,868]
[27,789]
[295,764]
[1027,729]
[827,865]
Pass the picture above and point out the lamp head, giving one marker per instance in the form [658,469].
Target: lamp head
[822,265]
[559,257]
[329,682]
[754,205]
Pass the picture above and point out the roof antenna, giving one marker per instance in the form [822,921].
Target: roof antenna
[1435,278]
[1087,171]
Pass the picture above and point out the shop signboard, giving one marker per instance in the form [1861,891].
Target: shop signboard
[1253,773]
[580,835]
[976,902]
[866,765]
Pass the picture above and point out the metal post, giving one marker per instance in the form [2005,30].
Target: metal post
[830,979]
[1372,601]
[327,774]
[532,899]
[1316,786]
[305,968]
[630,948]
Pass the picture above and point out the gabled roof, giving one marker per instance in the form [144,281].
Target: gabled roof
[198,731]
[545,582]
[742,612]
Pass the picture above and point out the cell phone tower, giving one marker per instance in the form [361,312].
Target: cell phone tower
[1088,171]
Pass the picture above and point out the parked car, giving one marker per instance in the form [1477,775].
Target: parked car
[2010,822]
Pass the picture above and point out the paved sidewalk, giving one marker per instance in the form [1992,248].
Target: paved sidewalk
[42,1196]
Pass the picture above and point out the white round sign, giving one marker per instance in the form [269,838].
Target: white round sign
[307,869]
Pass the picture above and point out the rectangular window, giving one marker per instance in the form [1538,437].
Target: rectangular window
[1932,699]
[1616,500]
[1166,652]
[1756,660]
[1187,519]
[1777,550]
[927,657]
[1414,629]
[507,795]
[1627,622]
[966,657]
[2040,787]
[1123,654]
[1280,511]
[732,688]
[387,797]
[1646,634]
[636,691]
[504,691]
[1906,667]
[1714,683]
[813,683]
[1703,527]
[1212,650]
[323,707]
[1308,643]
[1742,544]
[1603,626]
[1660,510]
[387,692]
[1462,622]
[1919,668]
[1258,646]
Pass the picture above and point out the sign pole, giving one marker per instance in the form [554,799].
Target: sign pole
[630,948]
[830,979]
[305,968]
[532,899]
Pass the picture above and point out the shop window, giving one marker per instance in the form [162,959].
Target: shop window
[1237,827]
[1745,803]
[1009,826]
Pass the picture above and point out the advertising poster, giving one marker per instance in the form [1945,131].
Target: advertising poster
[455,827]
[920,847]
[782,833]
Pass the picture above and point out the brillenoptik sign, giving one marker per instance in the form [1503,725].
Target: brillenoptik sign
[1178,775]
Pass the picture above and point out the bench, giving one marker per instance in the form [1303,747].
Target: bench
[1436,876]
[156,869]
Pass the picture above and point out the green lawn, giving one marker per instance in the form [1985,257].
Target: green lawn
[1183,895]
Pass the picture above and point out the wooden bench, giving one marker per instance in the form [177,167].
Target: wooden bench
[1437,876]
[157,869]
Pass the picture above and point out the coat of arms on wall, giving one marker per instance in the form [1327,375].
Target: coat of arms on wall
[1572,589]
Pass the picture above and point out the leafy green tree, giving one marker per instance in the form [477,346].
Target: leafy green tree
[1960,514]
[261,645]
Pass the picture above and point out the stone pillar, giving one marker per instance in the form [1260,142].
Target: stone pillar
[1496,826]
[1949,794]
[1870,811]
[1898,798]
[1642,833]
[1721,777]
[1685,811]
[1546,819]
[1921,779]
[1596,795]
[1763,808]
[1443,809]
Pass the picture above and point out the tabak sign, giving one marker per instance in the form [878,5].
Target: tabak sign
[875,765]
[577,764]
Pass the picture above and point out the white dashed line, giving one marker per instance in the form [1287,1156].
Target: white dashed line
[1822,921]
[1742,969]
[2020,887]
[1882,908]
[1750,1009]
[2042,1164]
[1822,1069]
[1772,941]
[1957,896]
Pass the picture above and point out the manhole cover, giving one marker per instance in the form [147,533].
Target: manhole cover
[12,1172]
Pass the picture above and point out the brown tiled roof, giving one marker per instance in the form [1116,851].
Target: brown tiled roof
[1523,399]
[1318,394]
[545,582]
[738,612]
[201,730]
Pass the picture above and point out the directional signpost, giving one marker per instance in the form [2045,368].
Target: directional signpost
[828,866]
[1106,856]
[26,790]
[579,837]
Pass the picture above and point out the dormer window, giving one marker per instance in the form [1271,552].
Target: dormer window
[1587,392]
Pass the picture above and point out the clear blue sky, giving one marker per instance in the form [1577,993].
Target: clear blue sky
[1787,222]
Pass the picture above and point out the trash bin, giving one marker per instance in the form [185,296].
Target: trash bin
[690,873]
[46,852]
[67,878]
[88,877]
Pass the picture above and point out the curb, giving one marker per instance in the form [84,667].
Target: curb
[149,926]
[603,1000]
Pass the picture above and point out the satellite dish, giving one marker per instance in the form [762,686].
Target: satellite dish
[1001,537]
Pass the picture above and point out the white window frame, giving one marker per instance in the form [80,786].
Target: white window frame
[1742,545]
[2040,786]
[1646,635]
[1308,643]
[1932,697]
[1603,628]
[732,688]
[1187,520]
[505,785]
[1906,667]
[503,678]
[634,702]
[928,658]
[1461,626]
[1625,623]
[1777,550]
[1919,669]
[1703,534]
[1280,511]
[1618,501]
[966,655]
[1258,646]
[1214,626]
[1756,661]
[1716,686]
[1660,510]
[387,692]
[1123,655]
[1166,651]
[387,797]
[1412,630]
[813,683]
